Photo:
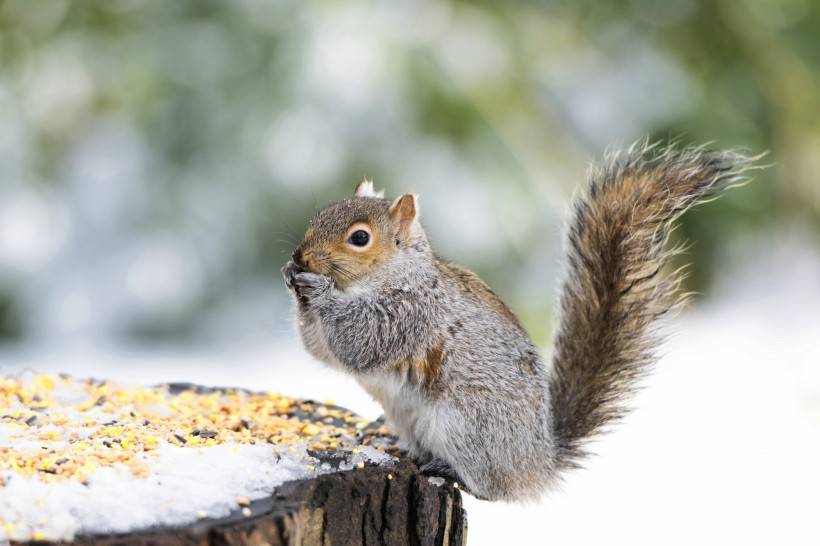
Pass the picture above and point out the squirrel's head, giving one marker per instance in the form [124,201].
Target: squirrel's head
[348,239]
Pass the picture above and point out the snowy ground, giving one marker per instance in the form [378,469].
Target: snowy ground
[722,448]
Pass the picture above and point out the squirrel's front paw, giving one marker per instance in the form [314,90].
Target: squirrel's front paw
[311,285]
[289,272]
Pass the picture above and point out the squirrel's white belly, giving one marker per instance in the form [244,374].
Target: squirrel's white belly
[414,417]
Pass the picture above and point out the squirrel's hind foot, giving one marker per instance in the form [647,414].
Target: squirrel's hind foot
[434,467]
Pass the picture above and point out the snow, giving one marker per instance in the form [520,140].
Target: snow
[723,445]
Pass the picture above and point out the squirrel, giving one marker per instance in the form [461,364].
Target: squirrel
[459,379]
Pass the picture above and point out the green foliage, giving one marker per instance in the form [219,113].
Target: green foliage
[214,129]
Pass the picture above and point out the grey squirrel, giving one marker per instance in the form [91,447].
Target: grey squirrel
[456,373]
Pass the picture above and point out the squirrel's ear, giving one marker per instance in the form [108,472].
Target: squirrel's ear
[404,211]
[365,189]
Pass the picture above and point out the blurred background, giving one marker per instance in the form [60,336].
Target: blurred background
[159,161]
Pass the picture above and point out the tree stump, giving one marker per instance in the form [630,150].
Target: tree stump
[361,506]
[389,504]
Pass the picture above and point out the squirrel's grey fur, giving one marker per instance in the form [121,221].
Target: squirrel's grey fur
[457,375]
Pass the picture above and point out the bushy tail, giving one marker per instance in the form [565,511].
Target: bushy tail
[616,286]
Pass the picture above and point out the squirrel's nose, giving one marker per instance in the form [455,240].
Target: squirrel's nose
[297,257]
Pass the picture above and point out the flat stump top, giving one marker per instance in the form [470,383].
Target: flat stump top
[95,462]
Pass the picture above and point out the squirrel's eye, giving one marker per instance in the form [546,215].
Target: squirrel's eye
[359,238]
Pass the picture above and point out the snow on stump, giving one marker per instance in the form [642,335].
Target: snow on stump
[90,462]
